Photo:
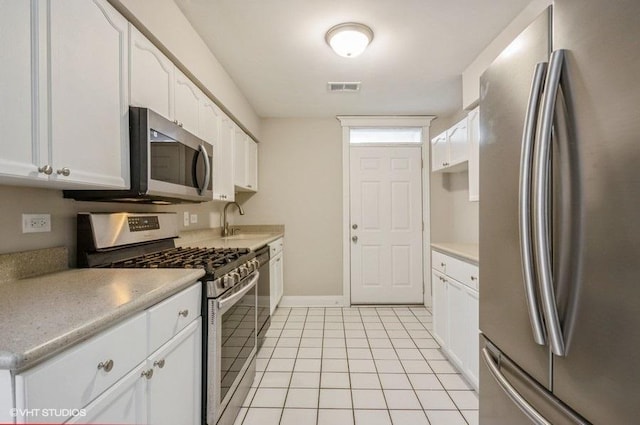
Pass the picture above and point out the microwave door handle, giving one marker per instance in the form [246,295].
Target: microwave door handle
[207,173]
[227,303]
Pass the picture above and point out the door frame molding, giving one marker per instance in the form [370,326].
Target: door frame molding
[347,122]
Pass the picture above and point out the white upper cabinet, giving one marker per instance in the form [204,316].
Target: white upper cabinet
[473,120]
[450,150]
[223,148]
[65,120]
[152,76]
[240,142]
[458,143]
[20,154]
[246,162]
[439,152]
[89,104]
[188,98]
[252,165]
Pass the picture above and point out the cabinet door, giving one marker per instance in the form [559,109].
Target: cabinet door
[209,118]
[89,101]
[151,74]
[174,389]
[472,365]
[439,152]
[187,103]
[473,120]
[240,156]
[225,162]
[458,335]
[458,143]
[252,165]
[20,154]
[440,309]
[124,403]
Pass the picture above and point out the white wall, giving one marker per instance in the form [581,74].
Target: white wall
[471,75]
[300,175]
[170,27]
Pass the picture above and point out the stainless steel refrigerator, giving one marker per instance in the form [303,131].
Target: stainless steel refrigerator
[560,220]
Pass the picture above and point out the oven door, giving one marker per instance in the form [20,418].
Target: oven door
[232,345]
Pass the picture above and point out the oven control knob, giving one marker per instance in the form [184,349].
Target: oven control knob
[254,264]
[227,281]
[244,271]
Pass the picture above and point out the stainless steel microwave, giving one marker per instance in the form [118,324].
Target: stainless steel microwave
[168,164]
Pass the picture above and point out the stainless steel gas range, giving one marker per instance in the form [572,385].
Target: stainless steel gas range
[230,301]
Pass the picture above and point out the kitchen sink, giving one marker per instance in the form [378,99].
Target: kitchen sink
[243,236]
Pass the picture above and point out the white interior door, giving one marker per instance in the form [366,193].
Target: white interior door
[386,225]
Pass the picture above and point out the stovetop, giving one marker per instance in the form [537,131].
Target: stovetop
[215,261]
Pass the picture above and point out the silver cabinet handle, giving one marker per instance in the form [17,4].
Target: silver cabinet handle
[513,394]
[180,124]
[354,239]
[524,203]
[183,313]
[175,122]
[46,169]
[541,180]
[106,366]
[147,374]
[443,264]
[159,363]
[354,226]
[64,171]
[474,278]
[248,185]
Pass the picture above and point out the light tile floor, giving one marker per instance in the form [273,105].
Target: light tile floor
[356,366]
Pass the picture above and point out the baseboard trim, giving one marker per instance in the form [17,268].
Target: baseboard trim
[312,301]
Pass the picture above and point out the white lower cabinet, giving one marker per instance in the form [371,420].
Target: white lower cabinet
[116,377]
[276,272]
[124,403]
[174,388]
[455,312]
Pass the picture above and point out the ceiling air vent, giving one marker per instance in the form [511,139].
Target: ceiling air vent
[344,87]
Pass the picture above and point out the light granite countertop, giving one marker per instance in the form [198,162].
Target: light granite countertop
[41,316]
[252,237]
[465,251]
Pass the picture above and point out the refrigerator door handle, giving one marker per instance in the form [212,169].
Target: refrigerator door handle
[542,245]
[511,392]
[524,203]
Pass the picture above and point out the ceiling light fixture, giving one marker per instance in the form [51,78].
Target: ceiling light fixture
[349,39]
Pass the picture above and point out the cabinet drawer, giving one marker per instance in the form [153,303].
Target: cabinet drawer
[459,270]
[172,315]
[439,261]
[463,272]
[276,247]
[74,378]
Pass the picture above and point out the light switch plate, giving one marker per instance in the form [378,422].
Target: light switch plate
[186,219]
[194,218]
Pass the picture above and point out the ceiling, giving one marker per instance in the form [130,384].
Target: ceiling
[275,52]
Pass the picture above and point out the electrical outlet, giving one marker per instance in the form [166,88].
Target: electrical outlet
[36,223]
[194,218]
[186,219]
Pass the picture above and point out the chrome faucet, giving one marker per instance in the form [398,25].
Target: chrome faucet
[225,229]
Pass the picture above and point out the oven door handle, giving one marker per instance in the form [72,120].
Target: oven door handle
[227,303]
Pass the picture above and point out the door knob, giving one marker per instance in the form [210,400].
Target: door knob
[354,239]
[354,226]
